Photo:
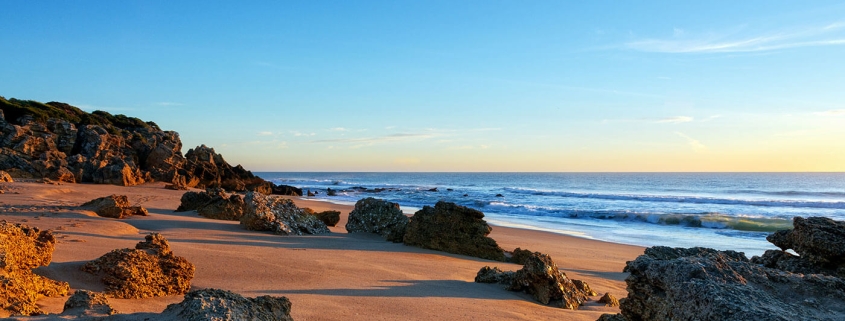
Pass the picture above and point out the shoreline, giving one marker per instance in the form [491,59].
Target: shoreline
[335,276]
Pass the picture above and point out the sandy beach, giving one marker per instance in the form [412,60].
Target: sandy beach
[336,276]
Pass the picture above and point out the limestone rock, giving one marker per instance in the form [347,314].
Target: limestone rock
[819,241]
[87,303]
[519,256]
[609,300]
[149,270]
[192,201]
[372,215]
[453,228]
[214,304]
[23,248]
[5,177]
[705,284]
[330,218]
[114,206]
[541,278]
[281,216]
[214,203]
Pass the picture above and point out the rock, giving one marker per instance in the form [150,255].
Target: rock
[499,195]
[114,206]
[231,208]
[372,215]
[519,256]
[330,218]
[149,270]
[214,304]
[176,187]
[286,190]
[5,177]
[609,300]
[819,241]
[192,201]
[281,216]
[433,189]
[22,249]
[311,194]
[87,303]
[541,278]
[706,284]
[612,317]
[453,228]
[331,192]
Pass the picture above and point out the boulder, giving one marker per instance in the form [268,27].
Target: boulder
[286,190]
[519,256]
[5,177]
[706,284]
[819,242]
[23,248]
[453,228]
[114,206]
[278,215]
[192,201]
[176,187]
[231,208]
[214,304]
[541,278]
[372,215]
[609,300]
[148,270]
[330,218]
[87,303]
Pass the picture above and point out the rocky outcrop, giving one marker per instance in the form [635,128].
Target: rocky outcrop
[609,300]
[87,303]
[819,242]
[5,177]
[706,284]
[149,270]
[22,249]
[519,256]
[114,206]
[214,203]
[541,278]
[192,201]
[63,143]
[278,215]
[453,228]
[214,304]
[287,190]
[372,215]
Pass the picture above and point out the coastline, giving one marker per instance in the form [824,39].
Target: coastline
[326,277]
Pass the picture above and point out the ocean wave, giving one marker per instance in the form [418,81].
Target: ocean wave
[684,199]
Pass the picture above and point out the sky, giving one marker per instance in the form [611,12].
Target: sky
[560,86]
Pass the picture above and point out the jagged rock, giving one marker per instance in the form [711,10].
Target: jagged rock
[612,317]
[372,215]
[281,216]
[609,300]
[330,218]
[541,278]
[149,270]
[5,177]
[706,284]
[331,192]
[192,201]
[214,304]
[453,228]
[114,206]
[519,256]
[819,241]
[231,208]
[23,248]
[286,190]
[87,303]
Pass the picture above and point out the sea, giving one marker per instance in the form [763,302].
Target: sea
[725,211]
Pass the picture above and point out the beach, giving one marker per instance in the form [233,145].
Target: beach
[326,277]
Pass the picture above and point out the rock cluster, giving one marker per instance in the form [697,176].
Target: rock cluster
[706,284]
[63,143]
[114,206]
[281,216]
[453,228]
[214,203]
[541,278]
[87,303]
[149,270]
[23,248]
[378,216]
[214,304]
[819,241]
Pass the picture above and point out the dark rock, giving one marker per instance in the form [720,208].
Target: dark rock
[286,190]
[331,192]
[176,187]
[23,248]
[372,215]
[192,201]
[230,208]
[453,228]
[818,240]
[87,303]
[499,195]
[519,256]
[609,300]
[705,284]
[612,317]
[214,304]
[449,189]
[311,193]
[278,215]
[465,195]
[433,189]
[330,218]
[541,278]
[114,206]
[149,270]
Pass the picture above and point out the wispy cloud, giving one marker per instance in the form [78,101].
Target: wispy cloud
[675,120]
[833,112]
[696,146]
[300,134]
[265,133]
[739,41]
[378,139]
[338,129]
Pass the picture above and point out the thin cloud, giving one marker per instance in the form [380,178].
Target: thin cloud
[696,146]
[372,140]
[833,112]
[338,129]
[675,120]
[679,43]
[265,133]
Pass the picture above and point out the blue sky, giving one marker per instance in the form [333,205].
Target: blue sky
[453,85]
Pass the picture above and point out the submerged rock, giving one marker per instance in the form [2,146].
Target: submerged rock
[214,304]
[278,215]
[114,206]
[372,215]
[149,270]
[455,229]
[22,249]
[541,278]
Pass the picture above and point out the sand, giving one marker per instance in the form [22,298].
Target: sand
[338,276]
